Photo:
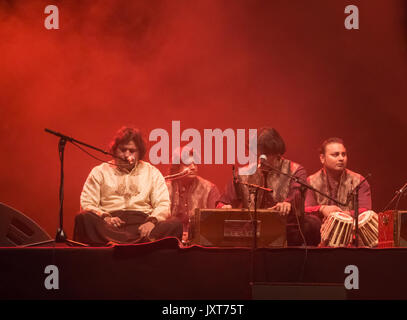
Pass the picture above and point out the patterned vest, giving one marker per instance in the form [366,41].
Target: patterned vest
[276,181]
[348,181]
[197,197]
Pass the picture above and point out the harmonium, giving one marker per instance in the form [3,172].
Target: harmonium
[235,228]
[392,229]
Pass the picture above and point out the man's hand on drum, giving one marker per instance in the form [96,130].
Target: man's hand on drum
[327,210]
[350,213]
[283,208]
[222,205]
[114,221]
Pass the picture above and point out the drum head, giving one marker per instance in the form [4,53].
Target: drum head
[364,217]
[342,216]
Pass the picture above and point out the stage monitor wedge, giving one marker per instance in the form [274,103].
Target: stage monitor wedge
[299,291]
[16,229]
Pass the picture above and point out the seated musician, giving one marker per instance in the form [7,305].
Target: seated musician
[285,197]
[125,200]
[189,191]
[335,180]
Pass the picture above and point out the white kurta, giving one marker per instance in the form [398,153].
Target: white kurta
[109,189]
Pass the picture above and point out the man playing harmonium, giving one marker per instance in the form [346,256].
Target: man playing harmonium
[335,180]
[285,197]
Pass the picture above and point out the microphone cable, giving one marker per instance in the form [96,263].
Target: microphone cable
[92,156]
[302,271]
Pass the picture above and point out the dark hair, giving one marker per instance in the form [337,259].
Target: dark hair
[329,141]
[175,168]
[269,141]
[125,135]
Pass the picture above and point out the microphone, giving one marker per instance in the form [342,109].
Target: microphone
[262,161]
[131,159]
[403,188]
[183,173]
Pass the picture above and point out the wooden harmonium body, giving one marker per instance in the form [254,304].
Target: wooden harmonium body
[234,228]
[393,229]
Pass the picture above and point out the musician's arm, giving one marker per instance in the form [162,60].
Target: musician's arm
[288,205]
[229,196]
[311,204]
[294,195]
[213,197]
[90,196]
[365,198]
[160,198]
[294,190]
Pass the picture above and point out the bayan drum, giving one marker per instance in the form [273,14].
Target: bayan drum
[337,230]
[368,228]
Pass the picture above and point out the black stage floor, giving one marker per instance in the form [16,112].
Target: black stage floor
[162,270]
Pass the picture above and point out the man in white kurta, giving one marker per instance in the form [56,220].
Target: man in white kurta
[126,200]
[109,189]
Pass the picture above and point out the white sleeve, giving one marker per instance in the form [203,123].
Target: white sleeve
[90,196]
[159,196]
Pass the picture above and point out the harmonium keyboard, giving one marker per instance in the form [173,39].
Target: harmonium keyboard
[235,228]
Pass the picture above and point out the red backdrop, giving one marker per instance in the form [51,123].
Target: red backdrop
[208,63]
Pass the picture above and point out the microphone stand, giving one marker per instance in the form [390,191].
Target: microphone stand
[398,193]
[60,236]
[395,213]
[253,190]
[355,197]
[303,188]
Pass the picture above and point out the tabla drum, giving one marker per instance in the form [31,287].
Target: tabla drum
[368,225]
[337,230]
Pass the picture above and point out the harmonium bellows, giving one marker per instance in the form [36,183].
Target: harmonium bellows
[234,228]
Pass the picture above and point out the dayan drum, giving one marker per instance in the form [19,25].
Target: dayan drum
[368,228]
[337,230]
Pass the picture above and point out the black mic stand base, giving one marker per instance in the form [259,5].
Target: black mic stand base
[59,238]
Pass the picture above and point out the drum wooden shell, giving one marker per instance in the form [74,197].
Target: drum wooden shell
[337,230]
[368,228]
